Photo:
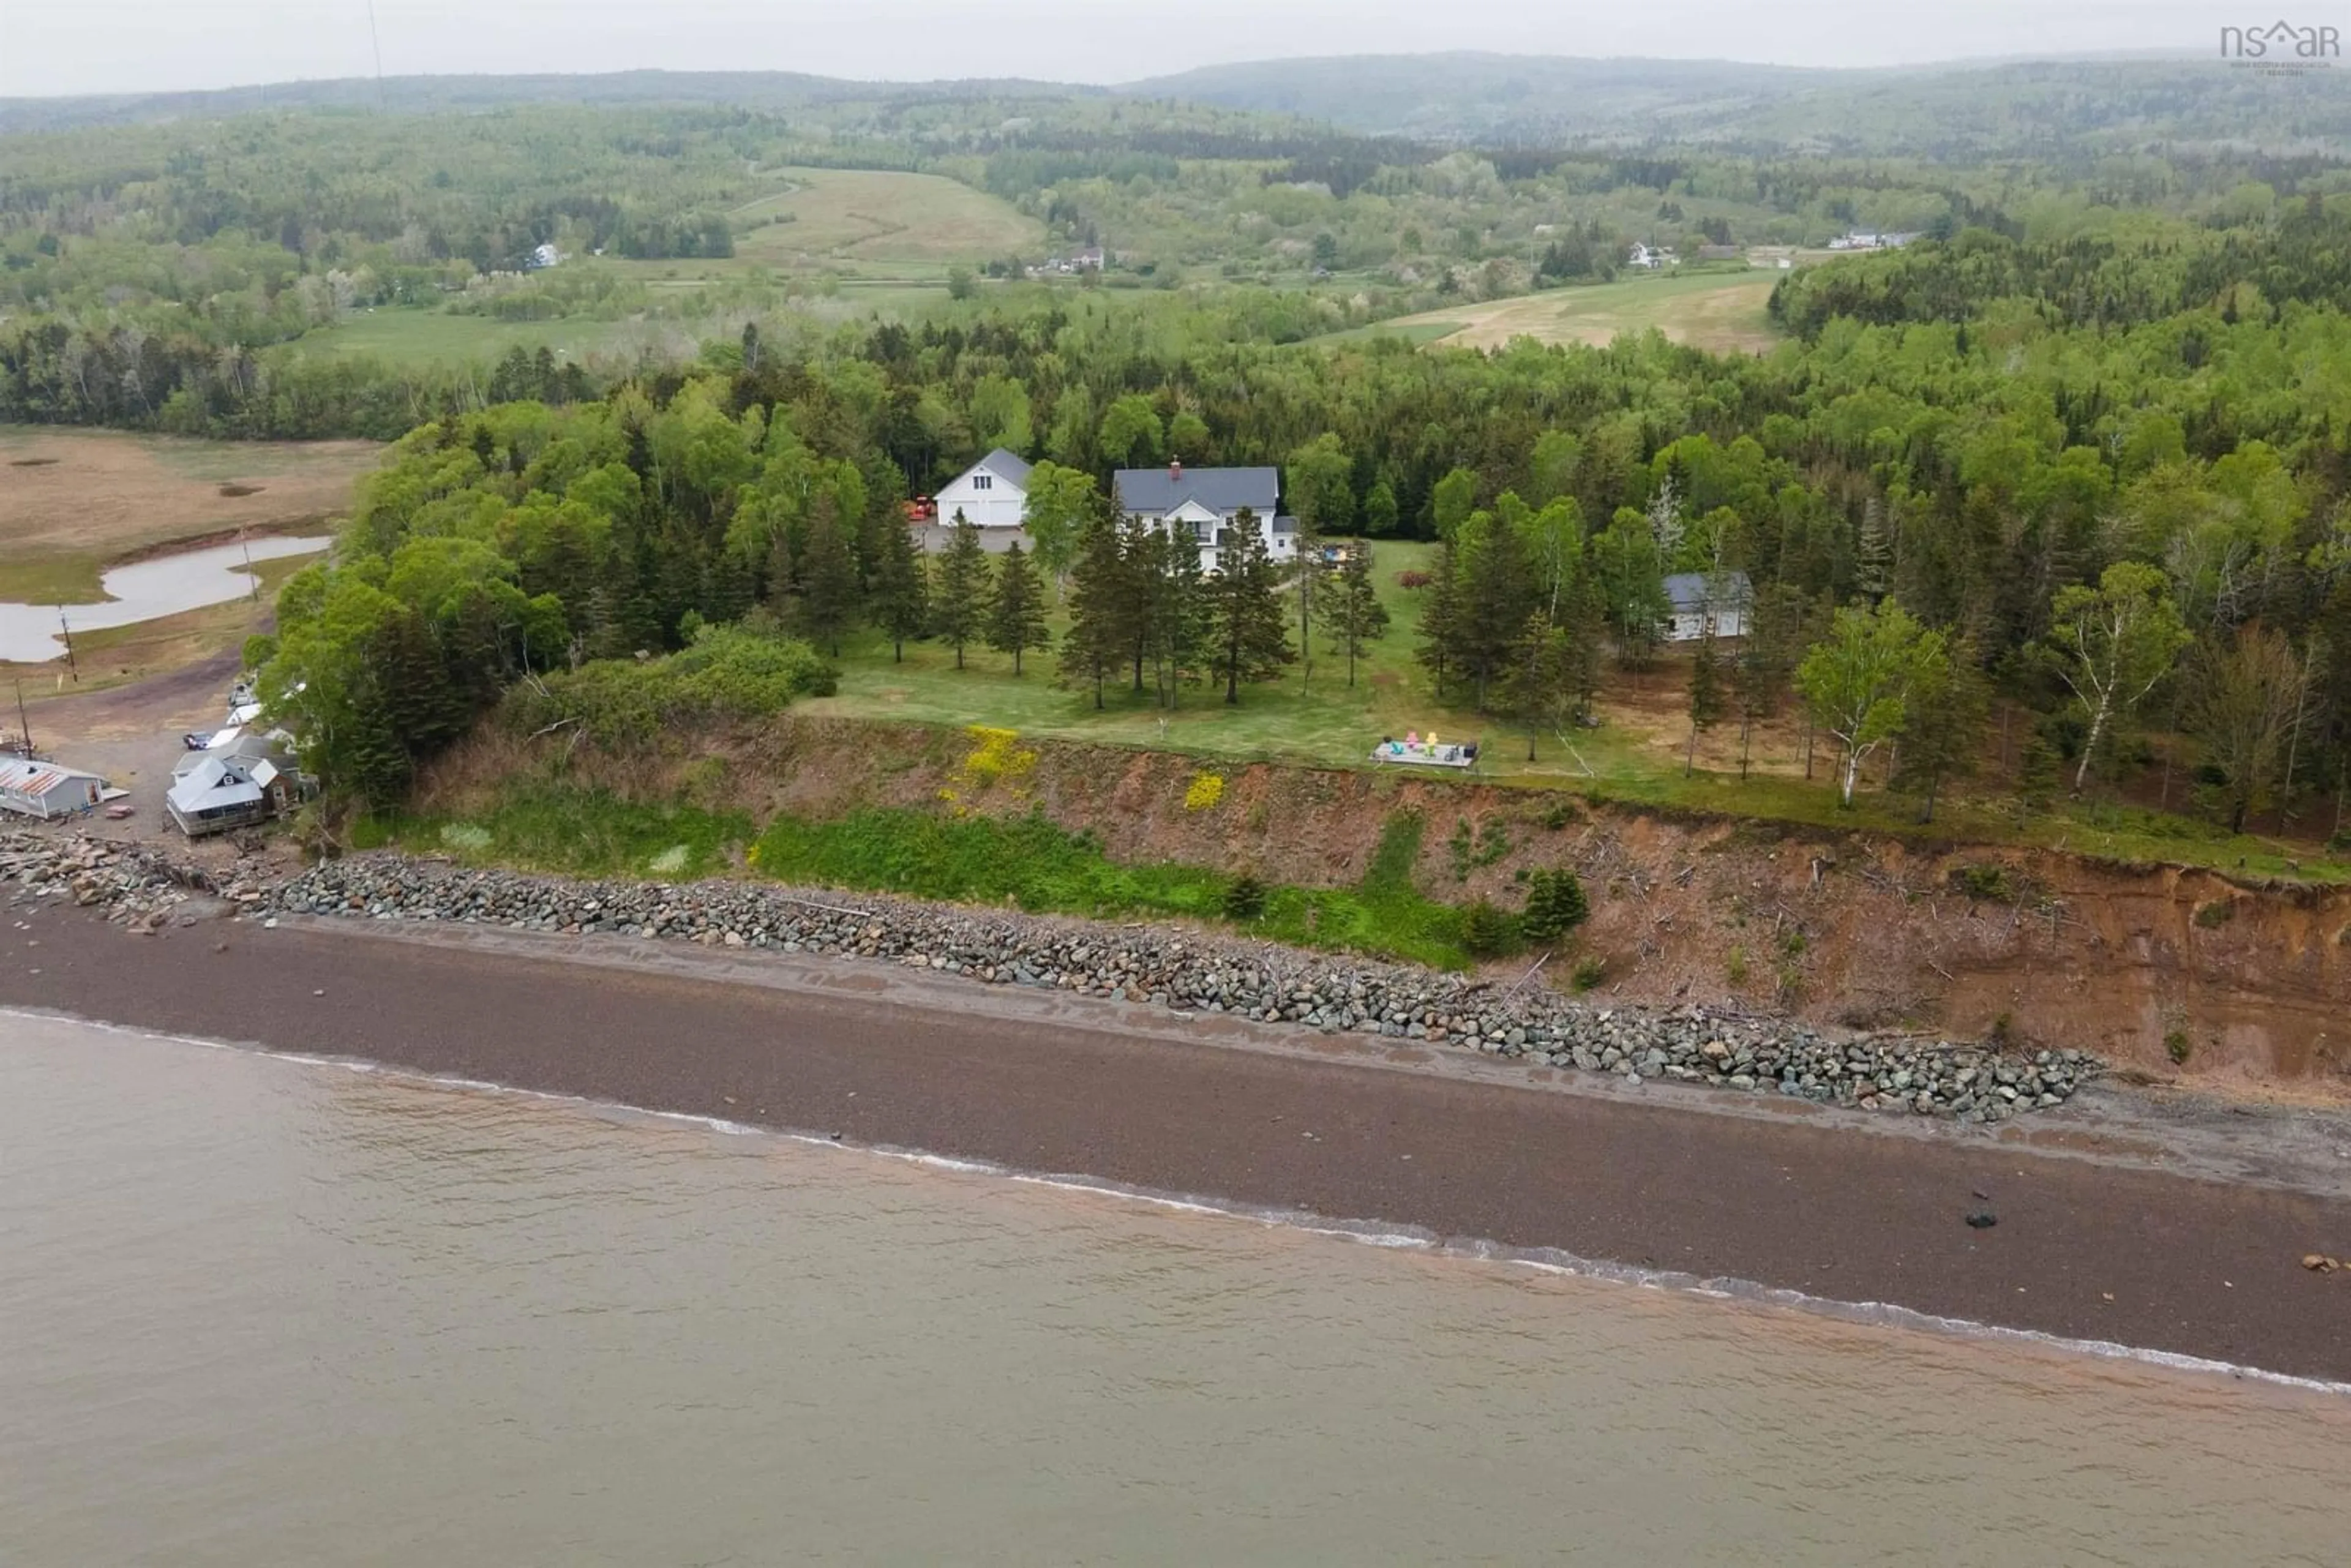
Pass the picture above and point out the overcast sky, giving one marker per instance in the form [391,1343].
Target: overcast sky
[51,47]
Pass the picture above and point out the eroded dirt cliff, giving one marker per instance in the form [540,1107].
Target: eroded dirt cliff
[2179,972]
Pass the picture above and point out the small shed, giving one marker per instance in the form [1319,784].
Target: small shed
[1700,605]
[44,790]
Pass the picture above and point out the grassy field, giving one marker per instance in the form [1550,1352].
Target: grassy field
[1720,311]
[877,218]
[1636,755]
[885,240]
[73,501]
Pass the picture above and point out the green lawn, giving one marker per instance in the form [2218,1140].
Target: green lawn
[1635,758]
[1323,720]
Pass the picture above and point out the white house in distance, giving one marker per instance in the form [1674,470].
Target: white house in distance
[1702,606]
[993,493]
[1650,258]
[1206,502]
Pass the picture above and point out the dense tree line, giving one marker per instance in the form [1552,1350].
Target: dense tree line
[2127,524]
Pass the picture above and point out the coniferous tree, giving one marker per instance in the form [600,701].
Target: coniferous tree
[1766,659]
[901,600]
[1556,905]
[1538,686]
[1140,586]
[1943,724]
[1497,593]
[1247,624]
[1583,623]
[1440,620]
[1102,600]
[1321,484]
[1173,593]
[1351,607]
[1707,700]
[1874,558]
[959,584]
[828,581]
[1015,613]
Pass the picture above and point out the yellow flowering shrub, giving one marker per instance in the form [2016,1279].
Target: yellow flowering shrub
[998,756]
[1206,789]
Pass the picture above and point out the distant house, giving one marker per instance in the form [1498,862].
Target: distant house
[1091,260]
[1863,239]
[993,493]
[1205,504]
[46,792]
[1700,606]
[543,256]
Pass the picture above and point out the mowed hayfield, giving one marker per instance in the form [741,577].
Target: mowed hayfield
[1723,312]
[877,220]
[74,501]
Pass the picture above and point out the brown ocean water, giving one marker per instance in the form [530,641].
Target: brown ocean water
[256,1311]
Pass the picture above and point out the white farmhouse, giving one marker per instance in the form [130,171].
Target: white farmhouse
[993,493]
[1700,606]
[1206,504]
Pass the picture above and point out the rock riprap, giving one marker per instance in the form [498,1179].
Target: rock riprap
[1192,972]
[136,886]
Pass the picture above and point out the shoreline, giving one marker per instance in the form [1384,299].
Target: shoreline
[2087,1249]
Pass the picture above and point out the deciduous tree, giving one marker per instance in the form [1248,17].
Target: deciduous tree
[1856,681]
[1059,501]
[2115,643]
[2247,692]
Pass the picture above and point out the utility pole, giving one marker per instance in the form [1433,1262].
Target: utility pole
[22,720]
[66,632]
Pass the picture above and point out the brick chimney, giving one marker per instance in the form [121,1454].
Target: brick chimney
[1175,470]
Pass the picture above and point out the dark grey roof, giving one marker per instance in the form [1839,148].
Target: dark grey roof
[1156,490]
[1009,466]
[1285,525]
[1685,592]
